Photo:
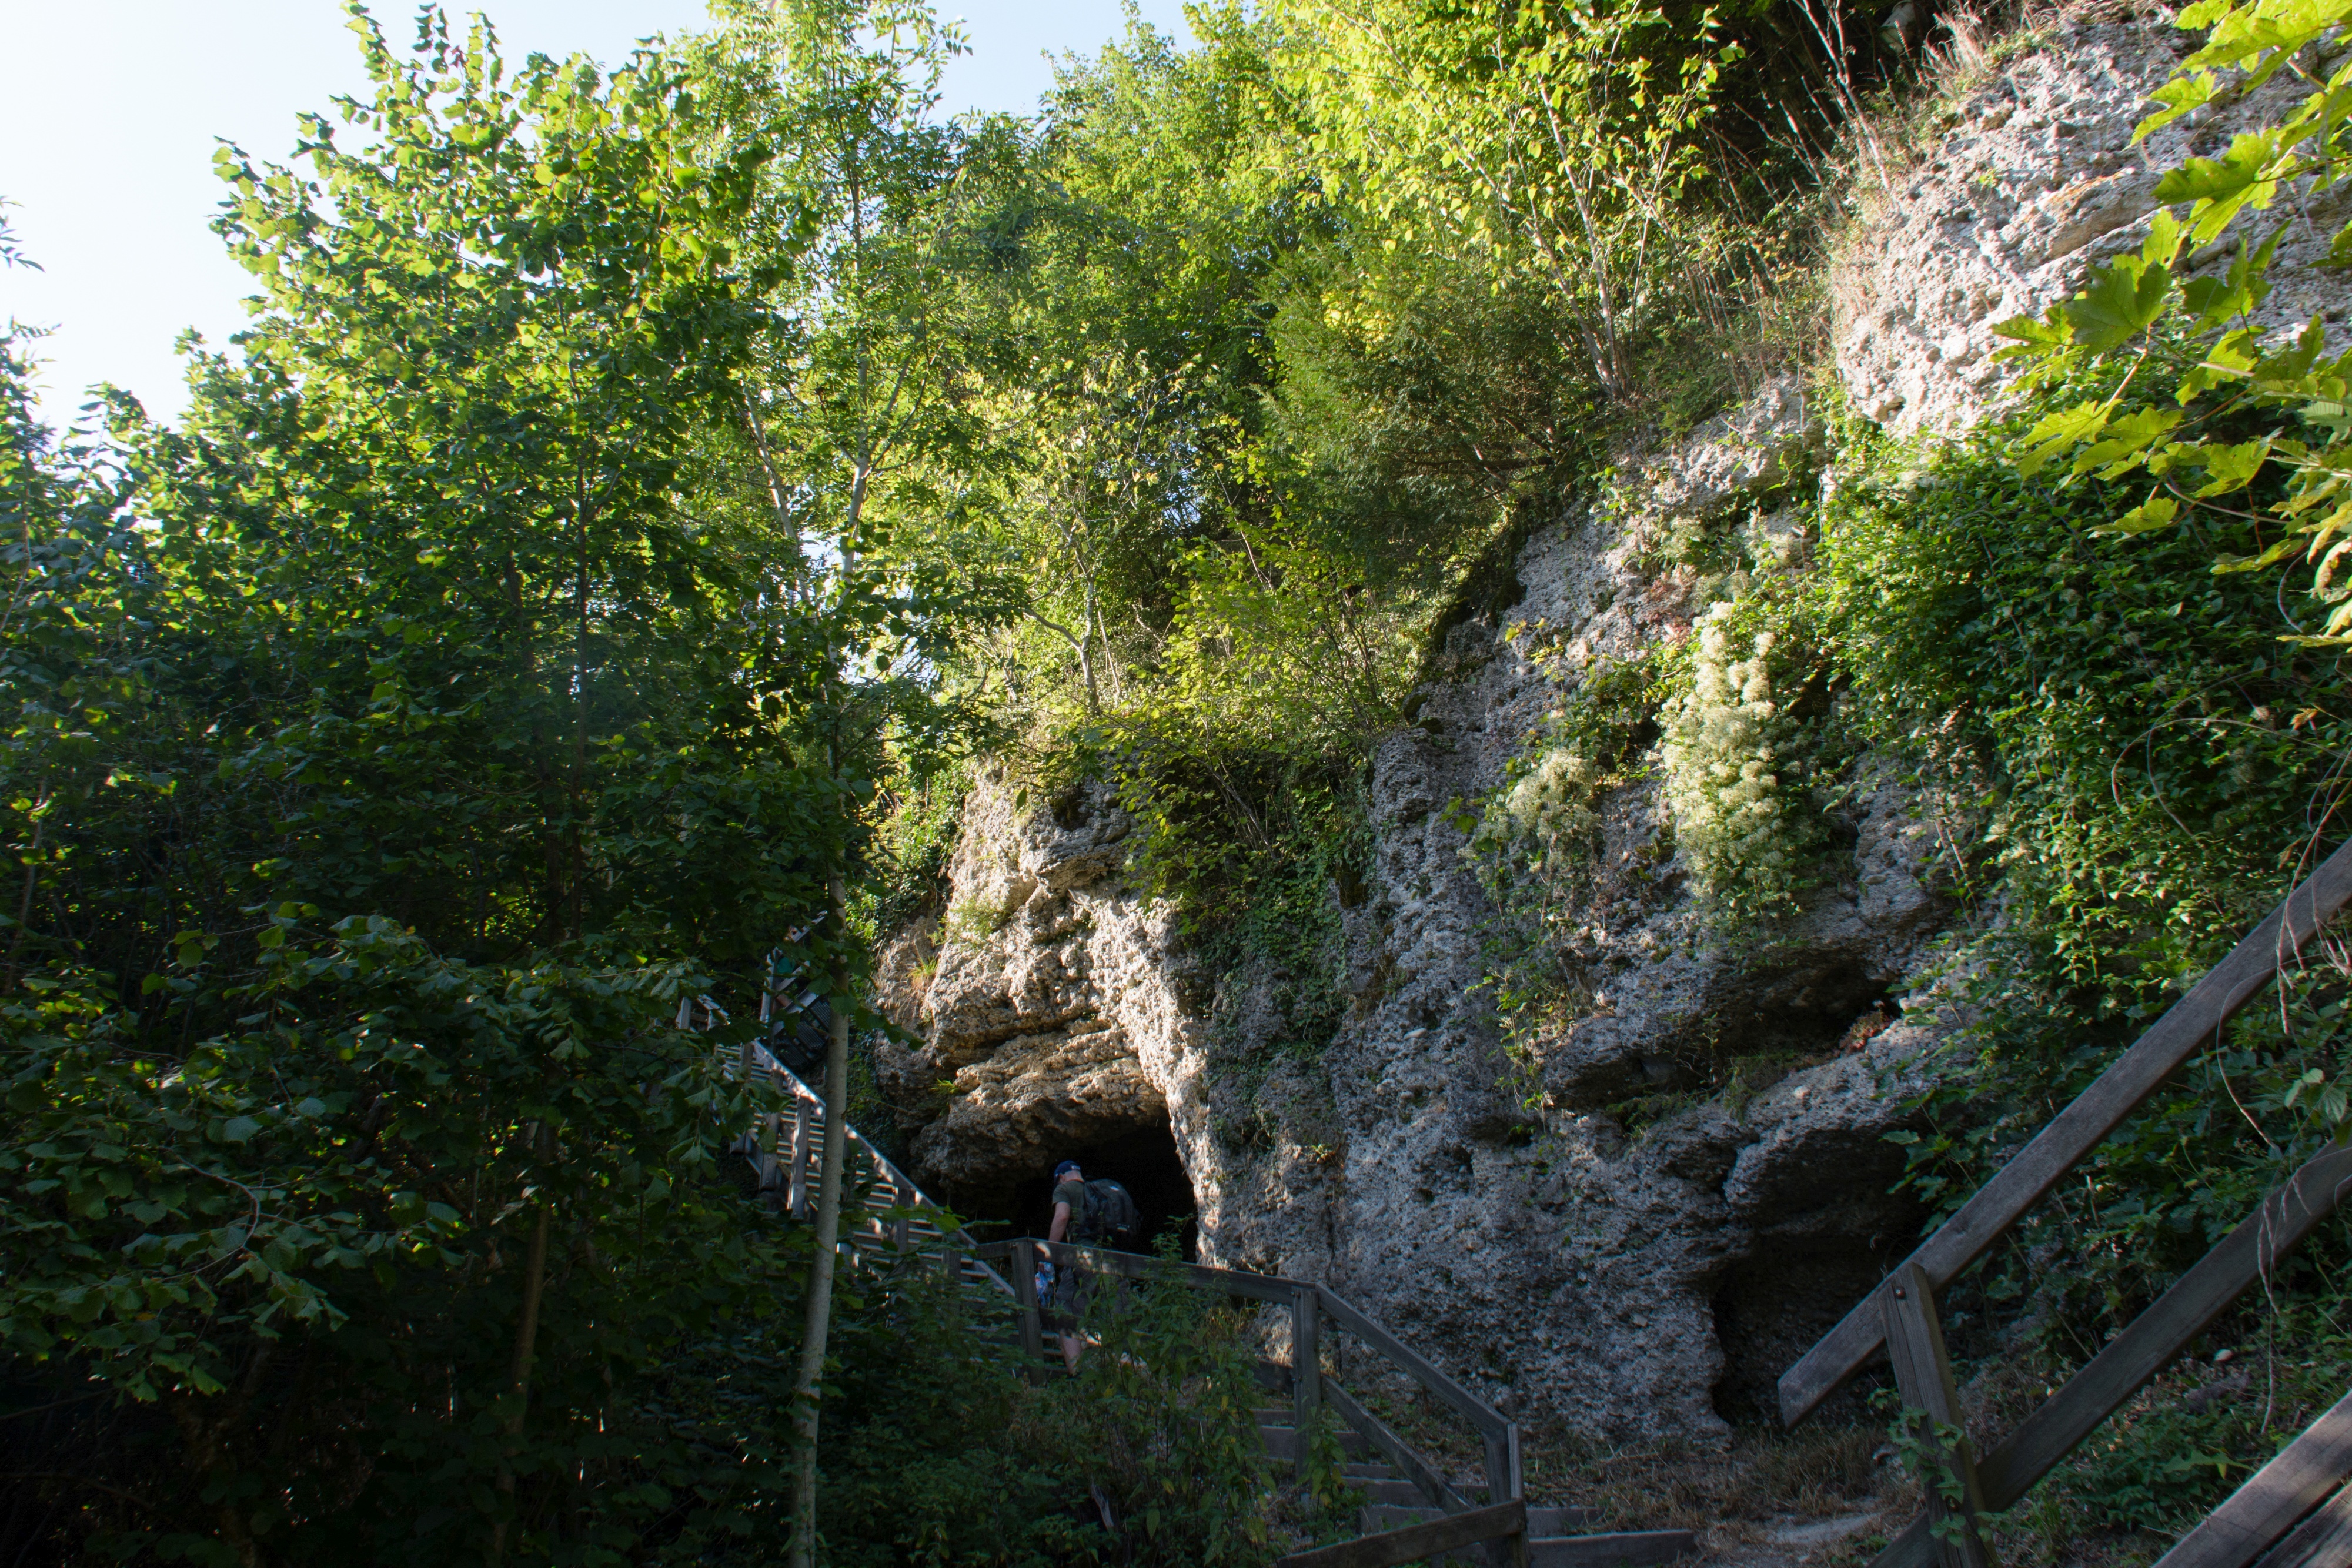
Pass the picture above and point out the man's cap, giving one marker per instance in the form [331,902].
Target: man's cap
[1067,1167]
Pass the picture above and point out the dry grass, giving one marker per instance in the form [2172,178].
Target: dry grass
[1817,1472]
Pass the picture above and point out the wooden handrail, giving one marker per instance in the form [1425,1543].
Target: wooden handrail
[1490,1422]
[2078,1129]
[2279,1223]
[1499,1521]
[1499,1434]
[2171,1322]
[2272,1498]
[2323,1539]
[1395,1450]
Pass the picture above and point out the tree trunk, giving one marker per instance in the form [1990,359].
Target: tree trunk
[829,1234]
[525,1347]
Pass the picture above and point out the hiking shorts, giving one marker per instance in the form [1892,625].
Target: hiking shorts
[1073,1295]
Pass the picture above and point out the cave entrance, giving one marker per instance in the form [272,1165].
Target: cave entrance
[1144,1160]
[1771,1308]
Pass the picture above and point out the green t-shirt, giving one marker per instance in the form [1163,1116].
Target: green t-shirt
[1072,1193]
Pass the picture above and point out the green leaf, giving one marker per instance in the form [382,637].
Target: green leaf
[2051,332]
[2230,359]
[2214,302]
[2182,93]
[2127,441]
[2059,431]
[2231,468]
[2157,511]
[2332,414]
[2122,300]
[2288,371]
[2221,187]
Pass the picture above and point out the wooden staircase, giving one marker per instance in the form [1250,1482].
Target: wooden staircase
[882,1209]
[2298,1508]
[1390,1502]
[1409,1510]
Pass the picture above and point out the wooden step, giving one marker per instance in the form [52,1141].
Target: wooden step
[1625,1549]
[1541,1521]
[1393,1491]
[1369,1470]
[1282,1443]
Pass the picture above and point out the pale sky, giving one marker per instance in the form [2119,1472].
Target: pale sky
[109,116]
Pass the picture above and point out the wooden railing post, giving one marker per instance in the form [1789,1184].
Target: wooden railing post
[1503,1486]
[1915,1343]
[1306,1369]
[1514,1489]
[796,1185]
[771,1127]
[1023,1257]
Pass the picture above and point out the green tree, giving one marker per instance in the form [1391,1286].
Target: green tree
[851,414]
[1545,138]
[391,751]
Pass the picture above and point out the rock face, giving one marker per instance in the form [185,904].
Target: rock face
[2034,177]
[1053,1003]
[1634,1220]
[1634,1282]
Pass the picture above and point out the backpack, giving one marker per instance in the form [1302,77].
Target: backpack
[802,1036]
[1109,1215]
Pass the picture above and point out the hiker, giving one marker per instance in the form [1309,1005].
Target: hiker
[1092,1214]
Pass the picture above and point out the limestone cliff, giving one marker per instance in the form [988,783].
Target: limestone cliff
[1629,1286]
[1630,1283]
[2032,175]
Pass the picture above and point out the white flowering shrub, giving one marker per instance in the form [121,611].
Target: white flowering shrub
[1734,819]
[1533,836]
[1546,815]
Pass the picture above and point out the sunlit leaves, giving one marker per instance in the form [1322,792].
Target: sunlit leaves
[2060,430]
[2123,300]
[2217,189]
[2189,371]
[1548,135]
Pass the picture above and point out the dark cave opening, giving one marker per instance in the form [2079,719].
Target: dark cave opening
[1143,1159]
[1832,1225]
[1772,1306]
[1807,1019]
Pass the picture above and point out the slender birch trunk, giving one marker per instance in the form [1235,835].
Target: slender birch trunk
[828,1234]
